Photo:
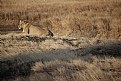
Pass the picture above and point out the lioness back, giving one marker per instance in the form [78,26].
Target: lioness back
[37,30]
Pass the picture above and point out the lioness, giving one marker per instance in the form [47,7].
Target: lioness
[33,30]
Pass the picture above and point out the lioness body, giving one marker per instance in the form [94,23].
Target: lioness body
[33,30]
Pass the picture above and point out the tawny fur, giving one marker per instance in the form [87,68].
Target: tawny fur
[34,30]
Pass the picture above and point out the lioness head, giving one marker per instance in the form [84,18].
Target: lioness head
[22,24]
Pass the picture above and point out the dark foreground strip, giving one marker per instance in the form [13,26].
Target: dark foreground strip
[10,69]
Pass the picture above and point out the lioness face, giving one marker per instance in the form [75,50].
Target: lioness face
[22,24]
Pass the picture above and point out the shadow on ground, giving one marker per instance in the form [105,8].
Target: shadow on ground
[21,64]
[110,48]
[10,69]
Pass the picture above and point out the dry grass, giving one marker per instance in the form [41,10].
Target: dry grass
[77,18]
[86,45]
[33,58]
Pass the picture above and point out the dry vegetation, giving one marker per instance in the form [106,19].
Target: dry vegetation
[33,58]
[86,45]
[75,18]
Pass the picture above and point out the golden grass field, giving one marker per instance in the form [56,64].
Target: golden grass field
[86,45]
